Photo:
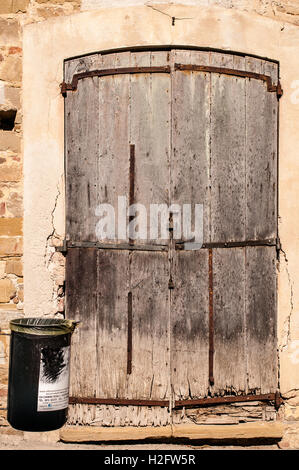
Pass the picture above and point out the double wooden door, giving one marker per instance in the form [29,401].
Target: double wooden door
[160,323]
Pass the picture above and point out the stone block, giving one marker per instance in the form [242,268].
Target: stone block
[10,171]
[11,227]
[11,246]
[4,350]
[14,266]
[2,269]
[59,2]
[291,413]
[11,69]
[10,141]
[13,6]
[9,31]
[14,204]
[7,290]
[12,96]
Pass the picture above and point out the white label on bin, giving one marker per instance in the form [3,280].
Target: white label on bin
[53,387]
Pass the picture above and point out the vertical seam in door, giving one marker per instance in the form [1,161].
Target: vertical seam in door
[210,255]
[129,347]
[171,390]
[211,320]
[245,249]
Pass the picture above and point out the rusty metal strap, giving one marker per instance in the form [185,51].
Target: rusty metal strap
[236,73]
[233,244]
[274,397]
[116,401]
[107,72]
[65,87]
[268,397]
[109,246]
[159,247]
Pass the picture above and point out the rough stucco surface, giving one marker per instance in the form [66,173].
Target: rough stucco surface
[54,30]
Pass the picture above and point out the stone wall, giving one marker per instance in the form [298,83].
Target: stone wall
[14,14]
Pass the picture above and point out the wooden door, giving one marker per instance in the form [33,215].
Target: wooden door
[159,323]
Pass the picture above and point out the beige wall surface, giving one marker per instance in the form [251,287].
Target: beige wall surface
[47,44]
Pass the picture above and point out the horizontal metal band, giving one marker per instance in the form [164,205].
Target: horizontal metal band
[117,401]
[233,244]
[178,245]
[275,397]
[116,246]
[227,399]
[236,73]
[106,72]
[167,69]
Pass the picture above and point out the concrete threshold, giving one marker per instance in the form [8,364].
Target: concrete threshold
[265,431]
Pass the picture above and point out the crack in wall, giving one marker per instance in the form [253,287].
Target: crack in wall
[173,18]
[53,265]
[287,322]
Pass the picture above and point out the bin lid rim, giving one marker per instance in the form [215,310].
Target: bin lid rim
[42,325]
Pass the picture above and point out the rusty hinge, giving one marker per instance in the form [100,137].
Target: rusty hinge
[62,248]
[278,247]
[279,90]
[278,401]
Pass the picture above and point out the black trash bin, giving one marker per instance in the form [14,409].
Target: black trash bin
[38,387]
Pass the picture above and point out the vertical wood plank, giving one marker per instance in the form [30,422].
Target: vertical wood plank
[190,161]
[261,319]
[150,133]
[111,350]
[113,124]
[189,325]
[261,155]
[82,142]
[149,274]
[227,157]
[81,64]
[81,305]
[229,324]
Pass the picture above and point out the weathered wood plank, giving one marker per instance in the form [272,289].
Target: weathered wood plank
[227,157]
[81,64]
[188,431]
[149,274]
[111,323]
[150,133]
[112,416]
[81,305]
[229,321]
[113,125]
[261,154]
[189,325]
[190,161]
[82,110]
[261,319]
